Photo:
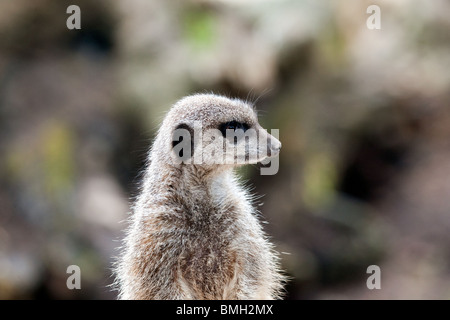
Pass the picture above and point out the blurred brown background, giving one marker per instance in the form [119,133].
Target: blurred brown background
[364,119]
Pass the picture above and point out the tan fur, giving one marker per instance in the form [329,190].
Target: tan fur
[193,233]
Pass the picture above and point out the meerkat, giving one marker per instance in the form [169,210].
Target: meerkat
[193,232]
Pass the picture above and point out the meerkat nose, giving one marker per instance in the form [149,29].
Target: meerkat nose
[274,147]
[279,147]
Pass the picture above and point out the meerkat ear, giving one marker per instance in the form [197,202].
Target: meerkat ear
[183,141]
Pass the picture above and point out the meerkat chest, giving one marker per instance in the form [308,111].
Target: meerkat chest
[210,228]
[210,261]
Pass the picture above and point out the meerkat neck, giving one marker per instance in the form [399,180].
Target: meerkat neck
[200,176]
[192,187]
[203,183]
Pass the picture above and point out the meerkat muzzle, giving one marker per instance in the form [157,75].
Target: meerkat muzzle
[273,146]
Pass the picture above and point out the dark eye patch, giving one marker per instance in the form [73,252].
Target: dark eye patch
[177,139]
[233,125]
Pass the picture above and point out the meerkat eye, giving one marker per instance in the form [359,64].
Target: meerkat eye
[233,125]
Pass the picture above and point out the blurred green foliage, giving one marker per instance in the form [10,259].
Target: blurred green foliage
[199,29]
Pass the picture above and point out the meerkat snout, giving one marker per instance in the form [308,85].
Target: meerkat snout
[193,232]
[273,147]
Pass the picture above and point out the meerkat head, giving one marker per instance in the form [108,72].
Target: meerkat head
[211,130]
